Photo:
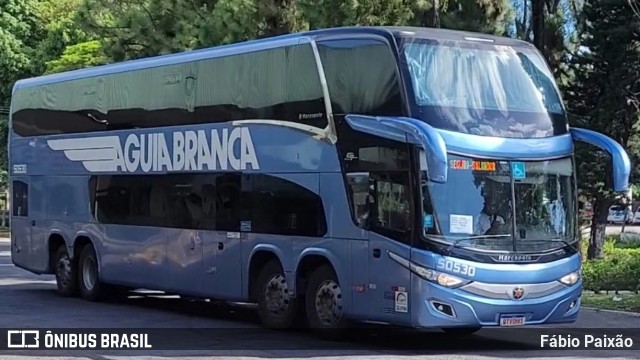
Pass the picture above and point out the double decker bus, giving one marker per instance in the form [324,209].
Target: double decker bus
[409,176]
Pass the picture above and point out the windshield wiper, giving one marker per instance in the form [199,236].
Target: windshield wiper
[455,243]
[556,240]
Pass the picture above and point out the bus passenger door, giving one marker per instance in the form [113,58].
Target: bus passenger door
[21,223]
[222,239]
[389,226]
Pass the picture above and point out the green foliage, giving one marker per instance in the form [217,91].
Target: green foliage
[18,23]
[134,29]
[618,270]
[77,57]
[635,190]
[59,24]
[606,87]
[605,96]
[622,302]
[330,13]
[486,16]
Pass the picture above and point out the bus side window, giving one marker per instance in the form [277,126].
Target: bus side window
[20,199]
[362,77]
[365,158]
[279,206]
[390,213]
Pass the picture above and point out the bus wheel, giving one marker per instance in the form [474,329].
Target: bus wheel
[89,279]
[462,330]
[276,307]
[324,306]
[66,278]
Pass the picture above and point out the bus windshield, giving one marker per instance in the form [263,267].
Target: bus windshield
[484,89]
[475,207]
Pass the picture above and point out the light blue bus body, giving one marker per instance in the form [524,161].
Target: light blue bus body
[312,171]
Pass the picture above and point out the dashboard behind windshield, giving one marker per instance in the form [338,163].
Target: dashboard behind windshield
[483,89]
[494,205]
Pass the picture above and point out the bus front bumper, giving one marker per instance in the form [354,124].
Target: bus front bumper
[444,307]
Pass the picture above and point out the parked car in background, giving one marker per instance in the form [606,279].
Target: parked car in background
[635,219]
[619,214]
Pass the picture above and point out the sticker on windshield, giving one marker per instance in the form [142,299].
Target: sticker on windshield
[460,224]
[518,170]
[427,221]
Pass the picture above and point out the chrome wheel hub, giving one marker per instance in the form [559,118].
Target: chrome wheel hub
[329,302]
[277,294]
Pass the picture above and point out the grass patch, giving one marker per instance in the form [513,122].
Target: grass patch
[629,302]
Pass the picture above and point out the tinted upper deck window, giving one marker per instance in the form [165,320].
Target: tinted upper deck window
[274,84]
[362,77]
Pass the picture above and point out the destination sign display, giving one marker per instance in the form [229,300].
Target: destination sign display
[475,165]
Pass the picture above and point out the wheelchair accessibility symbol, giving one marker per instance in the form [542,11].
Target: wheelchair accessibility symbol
[518,170]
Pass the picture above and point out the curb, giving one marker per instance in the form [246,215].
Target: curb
[619,312]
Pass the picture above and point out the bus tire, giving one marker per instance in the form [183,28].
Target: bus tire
[66,273]
[91,288]
[276,307]
[323,302]
[462,330]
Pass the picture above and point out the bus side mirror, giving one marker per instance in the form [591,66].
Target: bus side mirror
[619,157]
[408,130]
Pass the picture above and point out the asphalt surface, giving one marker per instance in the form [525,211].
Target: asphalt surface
[27,300]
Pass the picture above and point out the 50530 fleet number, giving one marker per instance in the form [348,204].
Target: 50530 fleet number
[456,267]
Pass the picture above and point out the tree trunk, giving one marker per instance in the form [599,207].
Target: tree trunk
[537,24]
[598,229]
[431,17]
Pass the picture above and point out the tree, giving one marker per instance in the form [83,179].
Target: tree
[78,56]
[18,25]
[549,25]
[59,29]
[605,95]
[485,16]
[134,29]
[331,13]
[19,35]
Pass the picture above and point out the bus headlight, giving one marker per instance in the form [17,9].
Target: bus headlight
[440,278]
[570,279]
[437,277]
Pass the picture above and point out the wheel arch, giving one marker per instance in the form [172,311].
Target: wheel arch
[314,257]
[260,255]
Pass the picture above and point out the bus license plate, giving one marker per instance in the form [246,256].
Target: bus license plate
[512,320]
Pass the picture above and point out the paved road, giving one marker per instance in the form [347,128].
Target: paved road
[30,301]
